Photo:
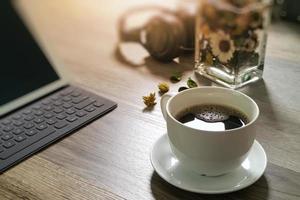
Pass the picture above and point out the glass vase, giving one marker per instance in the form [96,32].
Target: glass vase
[231,40]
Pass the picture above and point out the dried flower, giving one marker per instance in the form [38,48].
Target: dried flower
[205,30]
[256,19]
[191,83]
[222,46]
[241,3]
[241,24]
[163,88]
[209,12]
[176,77]
[250,44]
[209,59]
[182,88]
[149,101]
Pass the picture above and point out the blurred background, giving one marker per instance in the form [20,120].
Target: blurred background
[78,31]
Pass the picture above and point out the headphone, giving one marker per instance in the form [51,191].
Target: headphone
[164,35]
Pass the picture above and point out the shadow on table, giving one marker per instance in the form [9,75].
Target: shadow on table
[162,190]
[183,64]
[285,26]
[163,69]
[260,93]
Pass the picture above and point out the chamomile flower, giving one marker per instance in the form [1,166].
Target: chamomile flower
[250,44]
[222,46]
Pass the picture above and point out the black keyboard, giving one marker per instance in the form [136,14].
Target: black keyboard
[28,130]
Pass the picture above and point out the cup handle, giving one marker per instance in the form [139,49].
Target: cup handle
[163,104]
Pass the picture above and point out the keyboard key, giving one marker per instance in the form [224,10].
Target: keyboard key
[39,113]
[17,117]
[7,128]
[46,102]
[29,118]
[20,138]
[71,119]
[48,115]
[90,109]
[60,125]
[66,99]
[70,111]
[54,98]
[41,127]
[61,116]
[18,131]
[28,125]
[58,110]
[84,104]
[39,120]
[76,94]
[6,122]
[7,136]
[79,99]
[29,141]
[48,108]
[18,123]
[51,121]
[27,112]
[66,105]
[97,104]
[92,99]
[80,114]
[67,91]
[31,132]
[58,103]
[9,144]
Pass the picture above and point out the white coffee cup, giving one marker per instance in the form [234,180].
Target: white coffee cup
[210,153]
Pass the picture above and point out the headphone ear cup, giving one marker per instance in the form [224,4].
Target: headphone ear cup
[163,37]
[188,18]
[130,35]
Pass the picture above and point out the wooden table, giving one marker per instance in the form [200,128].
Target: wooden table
[109,159]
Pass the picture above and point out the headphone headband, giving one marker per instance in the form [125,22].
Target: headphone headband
[134,34]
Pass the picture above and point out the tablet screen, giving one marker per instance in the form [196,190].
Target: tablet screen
[23,66]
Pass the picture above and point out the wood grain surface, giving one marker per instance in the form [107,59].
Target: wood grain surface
[109,159]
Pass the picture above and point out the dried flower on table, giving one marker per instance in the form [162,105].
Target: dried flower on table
[191,83]
[163,88]
[149,101]
[182,88]
[176,77]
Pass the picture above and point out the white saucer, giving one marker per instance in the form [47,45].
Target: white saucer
[171,170]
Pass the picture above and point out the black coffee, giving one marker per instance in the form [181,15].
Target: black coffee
[212,117]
